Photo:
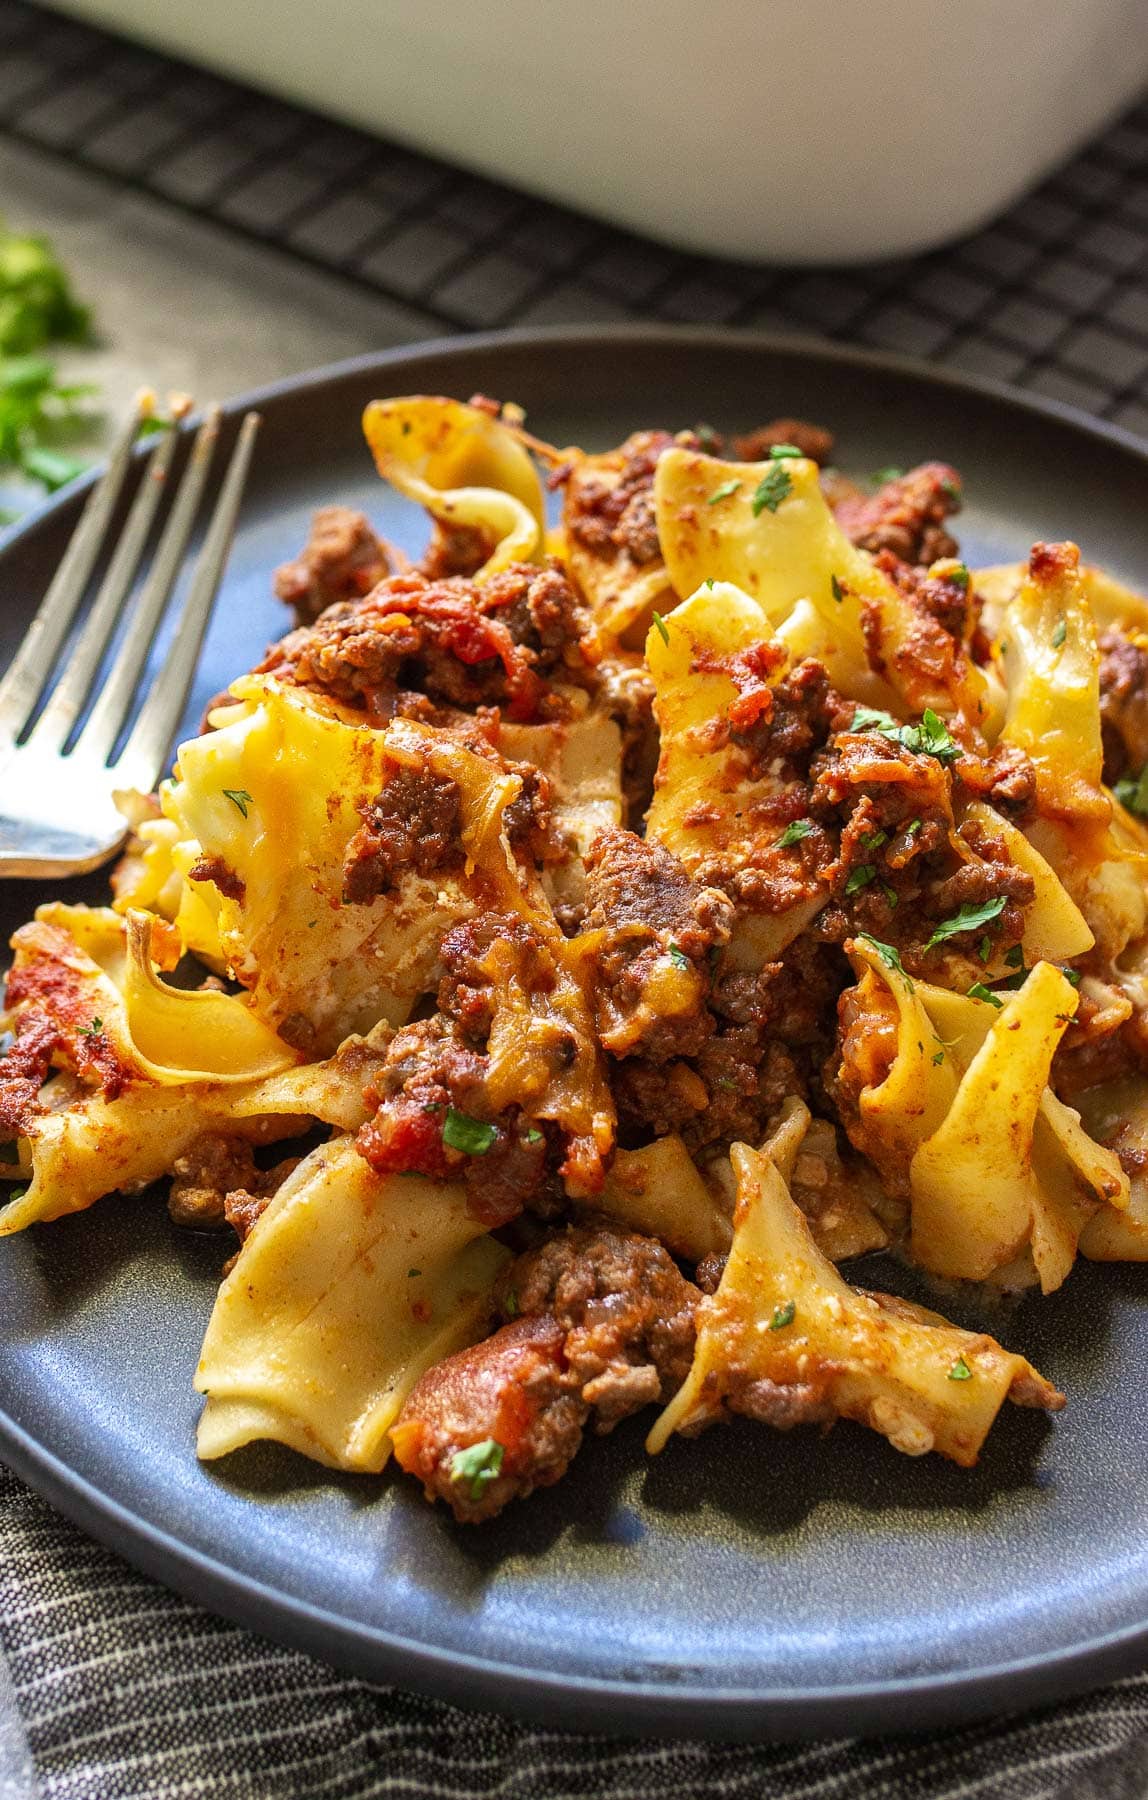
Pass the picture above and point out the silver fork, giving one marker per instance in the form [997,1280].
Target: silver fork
[57,815]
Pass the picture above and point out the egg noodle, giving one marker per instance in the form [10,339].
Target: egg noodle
[561,954]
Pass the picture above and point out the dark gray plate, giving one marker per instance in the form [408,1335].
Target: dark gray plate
[743,1584]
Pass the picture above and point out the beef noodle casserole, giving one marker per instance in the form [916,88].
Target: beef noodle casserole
[591,936]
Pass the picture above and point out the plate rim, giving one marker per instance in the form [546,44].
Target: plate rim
[574,1701]
[718,337]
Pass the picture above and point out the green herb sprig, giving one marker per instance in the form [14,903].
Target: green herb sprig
[472,1136]
[889,954]
[479,1464]
[39,414]
[724,491]
[979,991]
[969,918]
[930,738]
[774,487]
[1132,792]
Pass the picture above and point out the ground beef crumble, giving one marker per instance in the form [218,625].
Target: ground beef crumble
[906,515]
[601,1323]
[625,1308]
[411,826]
[432,1065]
[611,509]
[1123,704]
[812,440]
[341,561]
[456,643]
[514,1394]
[218,1181]
[944,591]
[656,934]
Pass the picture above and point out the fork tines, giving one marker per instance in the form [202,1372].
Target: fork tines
[28,683]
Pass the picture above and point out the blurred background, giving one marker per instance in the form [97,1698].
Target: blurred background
[962,184]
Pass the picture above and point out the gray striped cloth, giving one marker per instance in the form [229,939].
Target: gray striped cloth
[124,1692]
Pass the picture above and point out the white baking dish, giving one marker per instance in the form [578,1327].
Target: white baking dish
[761,129]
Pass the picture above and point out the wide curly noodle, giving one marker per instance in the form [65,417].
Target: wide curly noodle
[723,879]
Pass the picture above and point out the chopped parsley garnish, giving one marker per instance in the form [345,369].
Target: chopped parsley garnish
[873,840]
[510,1304]
[959,577]
[979,991]
[889,893]
[678,957]
[930,738]
[724,491]
[783,1316]
[709,581]
[726,1084]
[969,918]
[479,1464]
[1072,975]
[960,1371]
[1015,957]
[93,1028]
[1059,634]
[985,949]
[771,490]
[413,1273]
[780,451]
[836,589]
[889,955]
[890,473]
[938,1058]
[860,877]
[660,628]
[912,828]
[871,718]
[794,833]
[239,797]
[534,1136]
[1132,792]
[472,1136]
[706,436]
